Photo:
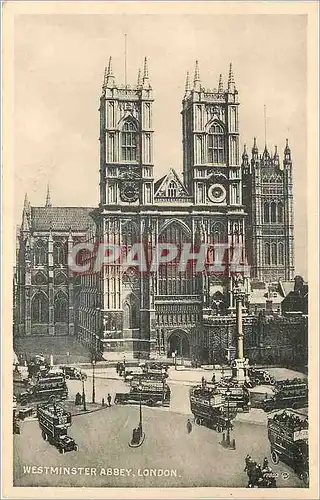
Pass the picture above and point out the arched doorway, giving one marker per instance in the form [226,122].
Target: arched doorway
[179,342]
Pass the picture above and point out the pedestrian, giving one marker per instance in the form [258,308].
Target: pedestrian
[203,381]
[189,426]
[265,464]
[213,380]
[109,400]
[248,461]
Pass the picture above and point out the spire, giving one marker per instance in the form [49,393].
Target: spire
[255,151]
[145,69]
[245,158]
[231,84]
[48,198]
[139,78]
[110,70]
[265,158]
[220,85]
[109,80]
[245,154]
[287,153]
[188,82]
[196,80]
[26,204]
[145,78]
[276,157]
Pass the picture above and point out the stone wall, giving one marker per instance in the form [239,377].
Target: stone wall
[268,339]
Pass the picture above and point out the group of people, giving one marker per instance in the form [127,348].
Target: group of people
[260,477]
[294,422]
[79,400]
[120,369]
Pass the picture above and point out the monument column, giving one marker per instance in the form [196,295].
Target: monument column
[240,362]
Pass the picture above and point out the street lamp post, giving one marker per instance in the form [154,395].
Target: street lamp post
[93,382]
[140,420]
[228,394]
[83,396]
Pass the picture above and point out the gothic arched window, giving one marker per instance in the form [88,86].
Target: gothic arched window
[60,308]
[280,253]
[40,309]
[266,212]
[273,253]
[172,189]
[129,141]
[280,212]
[267,256]
[216,148]
[59,253]
[40,253]
[273,212]
[171,280]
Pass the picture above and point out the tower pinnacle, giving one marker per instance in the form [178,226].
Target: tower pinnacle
[108,81]
[145,78]
[48,197]
[139,78]
[231,84]
[187,82]
[196,80]
[220,85]
[145,69]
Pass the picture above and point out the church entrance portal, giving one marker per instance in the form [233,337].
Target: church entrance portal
[178,342]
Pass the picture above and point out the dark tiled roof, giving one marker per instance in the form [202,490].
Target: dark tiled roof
[61,218]
[158,183]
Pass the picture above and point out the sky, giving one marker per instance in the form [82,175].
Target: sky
[58,71]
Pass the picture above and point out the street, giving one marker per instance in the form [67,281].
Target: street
[190,460]
[169,456]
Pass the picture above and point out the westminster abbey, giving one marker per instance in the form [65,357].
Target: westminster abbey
[224,196]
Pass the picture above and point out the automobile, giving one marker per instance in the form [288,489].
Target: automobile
[73,373]
[66,443]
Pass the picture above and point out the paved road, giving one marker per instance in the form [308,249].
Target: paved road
[190,460]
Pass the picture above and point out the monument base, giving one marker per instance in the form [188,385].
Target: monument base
[240,370]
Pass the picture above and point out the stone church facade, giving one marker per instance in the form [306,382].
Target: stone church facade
[223,198]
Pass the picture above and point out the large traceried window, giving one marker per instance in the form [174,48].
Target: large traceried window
[266,212]
[170,280]
[40,253]
[216,144]
[60,253]
[280,253]
[39,308]
[267,254]
[273,212]
[60,308]
[280,212]
[274,259]
[129,142]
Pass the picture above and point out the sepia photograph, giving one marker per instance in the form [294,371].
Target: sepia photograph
[160,220]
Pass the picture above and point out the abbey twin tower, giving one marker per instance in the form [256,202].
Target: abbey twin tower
[225,196]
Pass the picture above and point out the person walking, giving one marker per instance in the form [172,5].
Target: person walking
[109,400]
[189,426]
